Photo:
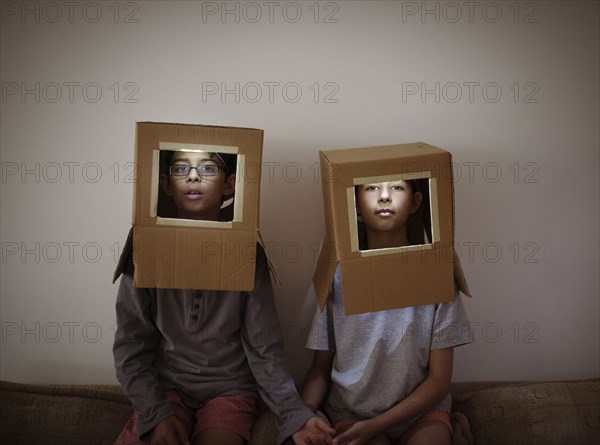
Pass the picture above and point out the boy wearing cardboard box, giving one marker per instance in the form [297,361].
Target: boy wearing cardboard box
[193,362]
[383,347]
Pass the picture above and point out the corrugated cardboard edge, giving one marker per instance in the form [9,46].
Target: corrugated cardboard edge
[459,275]
[182,124]
[328,257]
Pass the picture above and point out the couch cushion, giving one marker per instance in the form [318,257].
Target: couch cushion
[461,430]
[548,413]
[57,414]
[264,431]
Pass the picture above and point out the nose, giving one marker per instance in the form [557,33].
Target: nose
[384,196]
[193,175]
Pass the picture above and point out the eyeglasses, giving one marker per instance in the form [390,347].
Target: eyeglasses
[202,170]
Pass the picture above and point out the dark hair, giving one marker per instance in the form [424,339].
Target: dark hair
[230,163]
[413,184]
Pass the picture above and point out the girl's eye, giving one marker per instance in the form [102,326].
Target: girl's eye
[398,187]
[370,188]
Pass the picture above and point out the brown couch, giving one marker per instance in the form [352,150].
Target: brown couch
[489,413]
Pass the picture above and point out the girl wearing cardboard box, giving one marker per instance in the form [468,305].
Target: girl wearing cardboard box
[384,377]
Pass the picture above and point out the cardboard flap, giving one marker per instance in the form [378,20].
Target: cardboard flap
[323,275]
[274,275]
[459,276]
[126,253]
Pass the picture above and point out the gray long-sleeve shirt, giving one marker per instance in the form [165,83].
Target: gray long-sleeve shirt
[204,344]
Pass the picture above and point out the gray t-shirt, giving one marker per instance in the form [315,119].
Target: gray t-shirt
[381,357]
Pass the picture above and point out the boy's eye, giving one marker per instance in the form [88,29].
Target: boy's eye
[210,169]
[180,169]
[398,187]
[370,188]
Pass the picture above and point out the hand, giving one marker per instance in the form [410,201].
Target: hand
[358,434]
[314,432]
[169,431]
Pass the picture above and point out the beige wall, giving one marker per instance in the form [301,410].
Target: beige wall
[510,89]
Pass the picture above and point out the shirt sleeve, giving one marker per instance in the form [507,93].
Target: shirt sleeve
[263,343]
[451,326]
[134,350]
[321,336]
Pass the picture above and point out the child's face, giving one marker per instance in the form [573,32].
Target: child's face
[197,196]
[386,206]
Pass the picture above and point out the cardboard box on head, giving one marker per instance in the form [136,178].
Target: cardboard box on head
[423,272]
[174,251]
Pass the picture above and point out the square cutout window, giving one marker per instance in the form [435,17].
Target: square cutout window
[186,163]
[422,226]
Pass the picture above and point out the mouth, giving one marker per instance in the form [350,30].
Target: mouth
[193,194]
[384,212]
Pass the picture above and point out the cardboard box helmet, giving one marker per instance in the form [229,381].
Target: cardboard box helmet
[171,252]
[424,272]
